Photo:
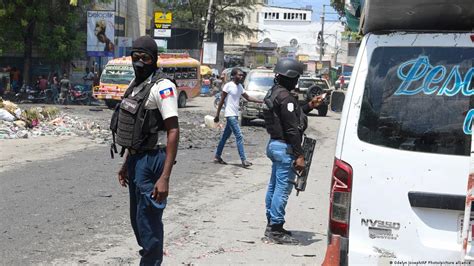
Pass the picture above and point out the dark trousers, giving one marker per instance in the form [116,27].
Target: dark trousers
[144,169]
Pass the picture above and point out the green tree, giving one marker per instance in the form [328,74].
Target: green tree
[338,5]
[227,15]
[50,27]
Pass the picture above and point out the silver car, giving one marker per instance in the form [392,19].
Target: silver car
[256,84]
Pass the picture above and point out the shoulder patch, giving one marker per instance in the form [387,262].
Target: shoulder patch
[290,107]
[166,93]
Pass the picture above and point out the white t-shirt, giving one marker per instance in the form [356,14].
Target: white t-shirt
[232,100]
[163,95]
[89,79]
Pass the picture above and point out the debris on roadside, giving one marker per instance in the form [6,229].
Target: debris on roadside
[246,241]
[304,255]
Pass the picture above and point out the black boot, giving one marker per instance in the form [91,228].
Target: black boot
[277,235]
[277,227]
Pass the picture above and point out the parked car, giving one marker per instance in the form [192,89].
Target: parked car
[398,186]
[310,86]
[256,84]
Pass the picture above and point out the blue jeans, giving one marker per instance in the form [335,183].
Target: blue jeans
[232,126]
[279,187]
[144,169]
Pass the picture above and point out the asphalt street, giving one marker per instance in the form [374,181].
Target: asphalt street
[70,209]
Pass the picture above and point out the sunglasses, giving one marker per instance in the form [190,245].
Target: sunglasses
[146,58]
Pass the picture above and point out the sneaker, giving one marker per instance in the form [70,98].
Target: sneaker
[246,164]
[282,239]
[219,160]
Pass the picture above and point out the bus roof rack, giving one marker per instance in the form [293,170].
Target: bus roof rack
[417,15]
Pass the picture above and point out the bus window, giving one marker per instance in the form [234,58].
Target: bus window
[178,74]
[193,73]
[185,72]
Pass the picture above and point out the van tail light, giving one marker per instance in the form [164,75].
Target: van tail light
[340,199]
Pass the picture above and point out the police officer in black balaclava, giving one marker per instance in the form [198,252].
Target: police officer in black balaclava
[148,112]
[285,122]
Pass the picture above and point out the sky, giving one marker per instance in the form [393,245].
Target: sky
[316,4]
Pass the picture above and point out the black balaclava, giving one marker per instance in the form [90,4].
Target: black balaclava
[288,83]
[144,44]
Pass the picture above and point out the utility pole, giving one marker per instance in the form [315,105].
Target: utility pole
[208,18]
[321,40]
[206,31]
[336,50]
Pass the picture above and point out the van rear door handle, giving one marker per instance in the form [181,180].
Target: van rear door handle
[437,201]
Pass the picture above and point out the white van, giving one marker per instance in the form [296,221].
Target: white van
[402,156]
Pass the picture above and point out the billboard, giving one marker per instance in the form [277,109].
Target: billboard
[209,53]
[100,33]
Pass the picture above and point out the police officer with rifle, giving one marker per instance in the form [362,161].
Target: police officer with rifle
[285,121]
[146,125]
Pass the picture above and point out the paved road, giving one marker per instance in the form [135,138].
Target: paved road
[71,210]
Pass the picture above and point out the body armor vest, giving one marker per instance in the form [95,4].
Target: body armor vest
[132,125]
[271,113]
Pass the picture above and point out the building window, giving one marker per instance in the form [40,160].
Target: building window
[284,15]
[265,15]
[278,15]
[304,16]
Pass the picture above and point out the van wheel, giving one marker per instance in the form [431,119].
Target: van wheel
[244,121]
[323,110]
[182,100]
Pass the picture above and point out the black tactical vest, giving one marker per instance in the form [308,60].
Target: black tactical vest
[271,112]
[132,125]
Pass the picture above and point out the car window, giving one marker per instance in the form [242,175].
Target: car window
[309,83]
[417,98]
[117,74]
[260,81]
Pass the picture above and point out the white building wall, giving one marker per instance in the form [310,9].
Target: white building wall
[281,29]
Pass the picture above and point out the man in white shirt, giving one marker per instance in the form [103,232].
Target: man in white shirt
[148,111]
[231,96]
[88,79]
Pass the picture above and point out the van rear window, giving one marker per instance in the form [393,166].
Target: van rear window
[418,99]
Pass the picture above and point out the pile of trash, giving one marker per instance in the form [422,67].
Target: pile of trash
[46,121]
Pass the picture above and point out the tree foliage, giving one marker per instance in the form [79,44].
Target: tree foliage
[50,27]
[227,16]
[338,5]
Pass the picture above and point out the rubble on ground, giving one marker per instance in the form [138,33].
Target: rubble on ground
[46,121]
[51,121]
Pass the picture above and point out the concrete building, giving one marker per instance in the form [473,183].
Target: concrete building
[132,20]
[239,44]
[294,32]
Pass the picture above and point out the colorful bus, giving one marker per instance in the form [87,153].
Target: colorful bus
[118,73]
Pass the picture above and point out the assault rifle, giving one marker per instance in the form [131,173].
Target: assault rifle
[308,149]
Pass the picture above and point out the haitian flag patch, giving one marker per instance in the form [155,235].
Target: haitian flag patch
[165,93]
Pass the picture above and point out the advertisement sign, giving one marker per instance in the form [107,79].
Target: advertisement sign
[163,18]
[166,33]
[209,55]
[100,33]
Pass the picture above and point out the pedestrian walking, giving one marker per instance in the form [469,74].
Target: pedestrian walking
[285,122]
[231,94]
[65,87]
[146,126]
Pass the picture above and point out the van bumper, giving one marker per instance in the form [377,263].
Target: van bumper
[337,250]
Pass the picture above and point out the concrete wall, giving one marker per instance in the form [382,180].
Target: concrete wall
[251,21]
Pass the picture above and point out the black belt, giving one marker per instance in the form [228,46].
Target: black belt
[134,152]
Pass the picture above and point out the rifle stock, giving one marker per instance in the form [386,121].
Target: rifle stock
[308,149]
